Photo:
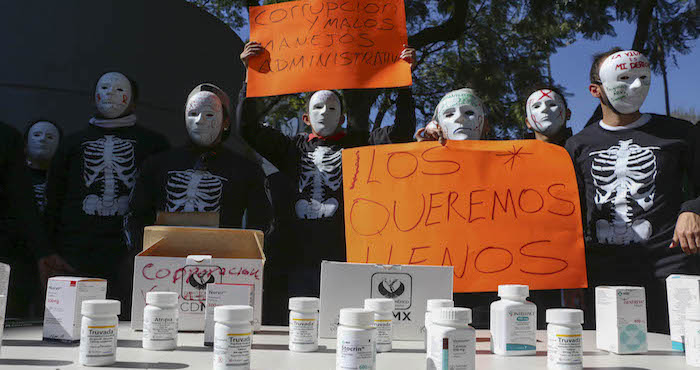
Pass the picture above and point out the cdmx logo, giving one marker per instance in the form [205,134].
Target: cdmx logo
[391,287]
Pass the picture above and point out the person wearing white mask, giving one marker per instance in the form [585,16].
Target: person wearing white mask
[203,176]
[90,180]
[460,115]
[547,113]
[314,162]
[638,225]
[41,140]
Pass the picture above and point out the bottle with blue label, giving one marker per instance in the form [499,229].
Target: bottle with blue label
[513,322]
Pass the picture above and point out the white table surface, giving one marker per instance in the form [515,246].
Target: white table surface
[22,348]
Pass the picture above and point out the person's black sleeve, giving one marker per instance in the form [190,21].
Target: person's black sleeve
[693,171]
[259,211]
[17,186]
[269,142]
[404,122]
[572,148]
[142,206]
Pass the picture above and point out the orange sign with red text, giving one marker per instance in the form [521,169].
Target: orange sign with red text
[500,212]
[322,44]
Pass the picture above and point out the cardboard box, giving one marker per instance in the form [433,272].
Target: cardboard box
[237,258]
[222,295]
[345,285]
[4,278]
[64,299]
[621,319]
[682,290]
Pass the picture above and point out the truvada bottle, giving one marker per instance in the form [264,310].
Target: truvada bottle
[356,345]
[98,332]
[303,324]
[233,336]
[160,321]
[513,322]
[564,339]
[383,321]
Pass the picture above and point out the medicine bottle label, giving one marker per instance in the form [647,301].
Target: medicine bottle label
[355,354]
[521,329]
[232,350]
[692,343]
[384,328]
[564,349]
[101,341]
[161,327]
[454,351]
[303,331]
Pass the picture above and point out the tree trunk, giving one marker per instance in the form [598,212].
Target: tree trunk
[646,9]
[662,61]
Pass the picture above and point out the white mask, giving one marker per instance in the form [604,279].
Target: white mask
[204,118]
[42,141]
[460,114]
[546,111]
[113,94]
[324,112]
[626,78]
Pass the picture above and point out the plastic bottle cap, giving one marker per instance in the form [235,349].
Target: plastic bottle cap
[693,312]
[564,316]
[304,303]
[162,298]
[452,316]
[379,304]
[97,307]
[434,304]
[356,317]
[233,314]
[514,291]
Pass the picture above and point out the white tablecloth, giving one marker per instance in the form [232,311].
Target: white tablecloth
[23,348]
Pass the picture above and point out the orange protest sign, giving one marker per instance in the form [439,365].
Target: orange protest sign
[500,212]
[321,45]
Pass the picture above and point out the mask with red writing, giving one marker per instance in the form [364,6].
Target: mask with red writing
[113,94]
[626,78]
[546,111]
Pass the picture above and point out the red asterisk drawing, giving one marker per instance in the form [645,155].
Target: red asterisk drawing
[513,155]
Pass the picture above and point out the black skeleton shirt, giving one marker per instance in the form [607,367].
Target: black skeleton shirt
[90,181]
[634,182]
[315,165]
[194,179]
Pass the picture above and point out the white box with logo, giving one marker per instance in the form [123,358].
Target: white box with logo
[64,299]
[683,291]
[621,319]
[346,285]
[216,256]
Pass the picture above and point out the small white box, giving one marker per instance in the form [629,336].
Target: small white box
[682,291]
[221,295]
[621,319]
[346,285]
[64,298]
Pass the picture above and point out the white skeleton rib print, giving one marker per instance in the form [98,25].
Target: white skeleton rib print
[194,191]
[624,176]
[40,196]
[109,162]
[320,170]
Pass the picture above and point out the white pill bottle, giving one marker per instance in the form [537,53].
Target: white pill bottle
[383,321]
[160,321]
[356,343]
[452,340]
[433,305]
[233,336]
[98,332]
[303,324]
[564,339]
[513,322]
[692,335]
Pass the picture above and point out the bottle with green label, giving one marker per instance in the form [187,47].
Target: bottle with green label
[513,322]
